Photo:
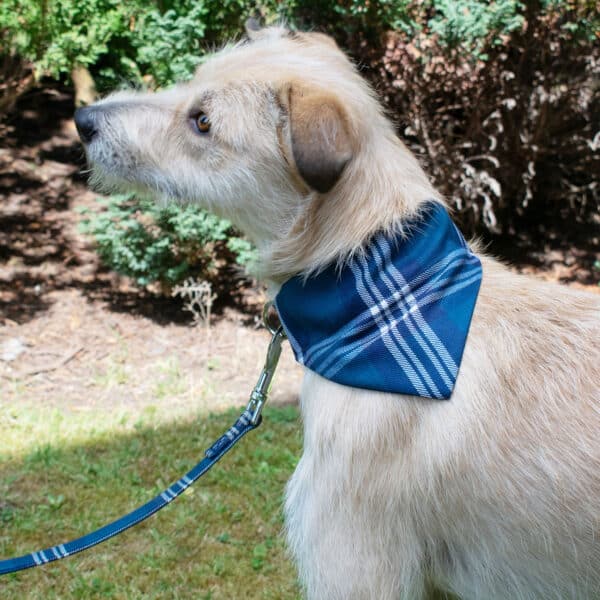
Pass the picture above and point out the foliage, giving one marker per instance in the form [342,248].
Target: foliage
[472,25]
[58,34]
[348,18]
[498,99]
[120,41]
[149,243]
[171,39]
[169,43]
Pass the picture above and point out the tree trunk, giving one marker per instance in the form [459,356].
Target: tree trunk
[85,88]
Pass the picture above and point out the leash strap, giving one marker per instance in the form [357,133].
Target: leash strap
[248,420]
[242,426]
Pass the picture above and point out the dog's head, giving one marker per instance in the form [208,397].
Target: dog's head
[270,133]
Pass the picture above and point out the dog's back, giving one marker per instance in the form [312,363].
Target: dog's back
[492,495]
[520,503]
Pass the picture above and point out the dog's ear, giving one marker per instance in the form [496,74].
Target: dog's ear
[320,136]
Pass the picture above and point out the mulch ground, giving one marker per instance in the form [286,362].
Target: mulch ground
[75,335]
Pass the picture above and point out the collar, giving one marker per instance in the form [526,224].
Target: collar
[396,317]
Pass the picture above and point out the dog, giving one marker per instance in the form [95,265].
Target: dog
[491,494]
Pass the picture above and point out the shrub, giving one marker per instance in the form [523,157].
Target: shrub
[120,41]
[171,41]
[60,34]
[150,244]
[498,99]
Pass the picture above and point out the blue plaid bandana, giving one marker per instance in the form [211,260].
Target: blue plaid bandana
[396,318]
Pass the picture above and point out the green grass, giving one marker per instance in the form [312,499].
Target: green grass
[64,475]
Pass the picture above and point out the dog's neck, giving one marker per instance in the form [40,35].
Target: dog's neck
[383,187]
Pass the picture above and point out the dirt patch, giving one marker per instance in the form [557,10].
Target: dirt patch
[76,336]
[80,355]
[569,256]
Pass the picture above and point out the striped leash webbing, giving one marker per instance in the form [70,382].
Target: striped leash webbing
[248,420]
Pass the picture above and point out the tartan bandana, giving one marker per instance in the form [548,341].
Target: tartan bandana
[396,318]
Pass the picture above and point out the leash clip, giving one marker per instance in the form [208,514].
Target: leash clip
[260,393]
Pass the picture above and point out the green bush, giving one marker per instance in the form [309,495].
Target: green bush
[472,25]
[170,41]
[57,35]
[119,41]
[150,244]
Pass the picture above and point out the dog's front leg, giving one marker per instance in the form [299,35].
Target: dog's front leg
[349,526]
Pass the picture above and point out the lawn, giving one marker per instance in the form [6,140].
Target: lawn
[64,475]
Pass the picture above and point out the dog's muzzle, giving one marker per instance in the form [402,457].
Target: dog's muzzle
[86,123]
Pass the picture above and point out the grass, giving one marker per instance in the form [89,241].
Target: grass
[63,476]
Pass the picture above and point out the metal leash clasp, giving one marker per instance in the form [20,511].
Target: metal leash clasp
[260,393]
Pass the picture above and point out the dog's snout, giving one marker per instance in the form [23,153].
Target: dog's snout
[86,123]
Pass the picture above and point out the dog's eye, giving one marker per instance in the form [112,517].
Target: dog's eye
[202,123]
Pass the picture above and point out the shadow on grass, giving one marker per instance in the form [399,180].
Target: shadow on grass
[221,539]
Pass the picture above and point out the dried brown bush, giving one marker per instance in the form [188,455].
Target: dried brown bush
[512,138]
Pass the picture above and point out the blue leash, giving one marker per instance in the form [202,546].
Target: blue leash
[213,454]
[248,420]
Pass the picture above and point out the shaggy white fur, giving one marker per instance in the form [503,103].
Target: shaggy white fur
[491,495]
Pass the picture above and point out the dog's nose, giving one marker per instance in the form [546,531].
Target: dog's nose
[85,121]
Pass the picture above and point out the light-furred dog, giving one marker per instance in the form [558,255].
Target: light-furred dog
[492,494]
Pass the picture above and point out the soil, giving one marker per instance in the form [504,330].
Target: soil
[74,334]
[77,336]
